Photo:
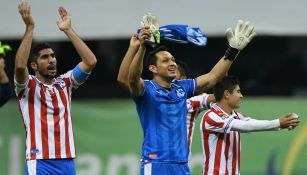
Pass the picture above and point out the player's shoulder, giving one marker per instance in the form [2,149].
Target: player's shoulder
[68,74]
[241,115]
[213,113]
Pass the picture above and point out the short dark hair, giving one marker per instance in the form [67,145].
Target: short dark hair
[151,59]
[36,49]
[151,56]
[227,83]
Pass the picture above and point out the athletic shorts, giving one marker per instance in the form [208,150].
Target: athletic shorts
[50,167]
[165,169]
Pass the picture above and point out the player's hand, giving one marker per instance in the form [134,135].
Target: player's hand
[134,41]
[144,34]
[244,33]
[288,121]
[65,23]
[25,12]
[151,22]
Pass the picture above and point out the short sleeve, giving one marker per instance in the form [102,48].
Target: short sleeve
[19,88]
[189,86]
[74,83]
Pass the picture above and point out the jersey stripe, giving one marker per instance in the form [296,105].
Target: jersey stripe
[56,119]
[44,125]
[32,85]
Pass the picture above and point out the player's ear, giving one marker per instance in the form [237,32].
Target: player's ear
[226,94]
[33,65]
[152,68]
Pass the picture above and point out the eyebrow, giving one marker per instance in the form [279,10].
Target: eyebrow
[45,55]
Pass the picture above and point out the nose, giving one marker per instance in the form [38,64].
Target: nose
[241,96]
[52,59]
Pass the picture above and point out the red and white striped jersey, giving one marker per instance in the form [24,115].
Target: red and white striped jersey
[221,146]
[195,105]
[46,115]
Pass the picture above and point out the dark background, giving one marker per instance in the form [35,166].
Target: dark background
[268,66]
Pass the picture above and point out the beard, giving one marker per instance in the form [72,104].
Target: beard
[45,73]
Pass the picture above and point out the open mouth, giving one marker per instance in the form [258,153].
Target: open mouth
[51,68]
[172,69]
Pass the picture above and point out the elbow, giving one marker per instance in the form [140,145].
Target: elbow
[120,80]
[92,62]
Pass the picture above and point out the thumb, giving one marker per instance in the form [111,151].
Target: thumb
[229,34]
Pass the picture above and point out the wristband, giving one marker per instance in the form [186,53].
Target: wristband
[231,53]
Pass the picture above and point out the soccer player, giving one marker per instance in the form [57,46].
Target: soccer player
[221,127]
[5,88]
[45,99]
[161,102]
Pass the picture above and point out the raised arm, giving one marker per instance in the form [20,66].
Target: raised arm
[122,77]
[253,125]
[238,40]
[136,83]
[23,52]
[88,58]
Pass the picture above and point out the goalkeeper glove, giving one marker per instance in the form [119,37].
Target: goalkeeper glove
[4,48]
[151,22]
[238,40]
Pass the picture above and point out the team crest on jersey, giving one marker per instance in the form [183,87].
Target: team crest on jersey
[61,84]
[180,92]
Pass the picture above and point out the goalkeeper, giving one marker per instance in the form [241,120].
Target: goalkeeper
[5,88]
[161,102]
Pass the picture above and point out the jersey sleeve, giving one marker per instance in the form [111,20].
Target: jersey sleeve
[216,123]
[243,116]
[190,86]
[145,92]
[74,83]
[197,103]
[20,89]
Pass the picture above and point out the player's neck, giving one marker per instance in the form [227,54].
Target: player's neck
[44,80]
[163,82]
[226,108]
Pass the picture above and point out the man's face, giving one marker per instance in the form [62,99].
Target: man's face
[46,64]
[234,98]
[165,65]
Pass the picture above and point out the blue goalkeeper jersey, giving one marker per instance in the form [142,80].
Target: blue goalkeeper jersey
[162,114]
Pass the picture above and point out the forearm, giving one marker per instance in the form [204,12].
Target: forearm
[24,49]
[87,56]
[122,77]
[22,56]
[135,70]
[209,80]
[255,125]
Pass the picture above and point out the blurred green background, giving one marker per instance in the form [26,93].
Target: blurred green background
[108,139]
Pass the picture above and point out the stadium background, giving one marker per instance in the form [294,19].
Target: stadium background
[272,70]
